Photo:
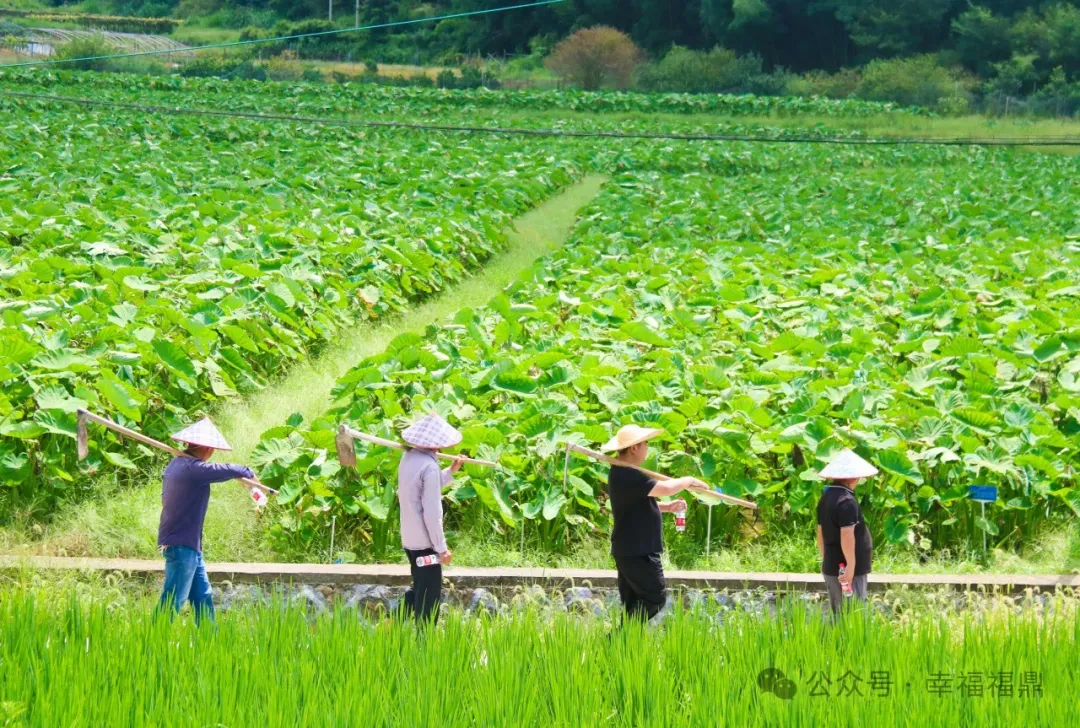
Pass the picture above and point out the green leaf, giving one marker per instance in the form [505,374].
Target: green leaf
[58,398]
[240,338]
[640,331]
[141,283]
[375,508]
[896,531]
[985,525]
[120,461]
[14,464]
[553,503]
[275,453]
[58,423]
[982,422]
[122,397]
[24,430]
[594,433]
[514,382]
[175,359]
[405,341]
[493,499]
[1048,350]
[898,464]
[65,360]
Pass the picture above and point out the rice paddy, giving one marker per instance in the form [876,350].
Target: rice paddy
[74,662]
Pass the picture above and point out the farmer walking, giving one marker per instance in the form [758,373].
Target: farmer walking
[420,484]
[637,538]
[842,536]
[185,495]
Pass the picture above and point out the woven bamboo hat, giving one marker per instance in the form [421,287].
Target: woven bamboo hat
[203,433]
[847,465]
[432,432]
[629,436]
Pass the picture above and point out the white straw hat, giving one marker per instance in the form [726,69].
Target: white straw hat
[629,436]
[848,465]
[203,433]
[431,432]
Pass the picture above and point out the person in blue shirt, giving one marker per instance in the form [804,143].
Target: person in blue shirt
[185,495]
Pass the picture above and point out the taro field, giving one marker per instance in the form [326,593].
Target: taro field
[767,305]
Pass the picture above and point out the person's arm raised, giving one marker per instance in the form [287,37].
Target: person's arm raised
[675,486]
[220,472]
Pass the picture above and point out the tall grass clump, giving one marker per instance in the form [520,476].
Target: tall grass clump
[69,662]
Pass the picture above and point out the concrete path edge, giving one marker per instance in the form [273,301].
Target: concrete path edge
[471,577]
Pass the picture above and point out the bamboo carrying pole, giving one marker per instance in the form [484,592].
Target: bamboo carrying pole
[347,452]
[571,447]
[83,442]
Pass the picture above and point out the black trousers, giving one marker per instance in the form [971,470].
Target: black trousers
[642,587]
[426,592]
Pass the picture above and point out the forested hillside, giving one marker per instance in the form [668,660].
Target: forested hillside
[799,35]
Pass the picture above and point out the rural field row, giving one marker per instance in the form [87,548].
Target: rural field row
[278,665]
[108,298]
[151,267]
[795,298]
[318,98]
[752,318]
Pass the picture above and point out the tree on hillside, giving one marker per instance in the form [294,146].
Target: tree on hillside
[982,38]
[595,58]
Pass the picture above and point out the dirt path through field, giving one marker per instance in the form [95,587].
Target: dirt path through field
[126,525]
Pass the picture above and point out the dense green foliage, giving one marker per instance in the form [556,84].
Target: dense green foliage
[120,24]
[70,663]
[160,266]
[363,100]
[149,280]
[915,305]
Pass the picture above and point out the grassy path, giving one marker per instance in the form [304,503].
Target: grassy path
[124,524]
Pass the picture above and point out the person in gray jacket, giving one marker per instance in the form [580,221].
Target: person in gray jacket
[420,484]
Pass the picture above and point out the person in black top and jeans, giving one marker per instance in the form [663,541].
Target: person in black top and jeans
[637,537]
[842,535]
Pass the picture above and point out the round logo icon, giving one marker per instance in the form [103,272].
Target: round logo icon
[767,678]
[776,682]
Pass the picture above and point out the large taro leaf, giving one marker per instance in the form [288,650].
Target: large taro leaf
[493,499]
[175,358]
[15,464]
[553,504]
[515,382]
[122,396]
[899,465]
[57,398]
[640,331]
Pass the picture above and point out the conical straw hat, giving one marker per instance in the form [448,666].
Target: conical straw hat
[629,436]
[848,465]
[203,433]
[431,432]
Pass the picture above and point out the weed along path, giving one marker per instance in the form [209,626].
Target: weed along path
[125,524]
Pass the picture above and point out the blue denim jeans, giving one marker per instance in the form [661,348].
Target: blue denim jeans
[186,581]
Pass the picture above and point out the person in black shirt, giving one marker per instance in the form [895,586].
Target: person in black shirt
[637,536]
[842,535]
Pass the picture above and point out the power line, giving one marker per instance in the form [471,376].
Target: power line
[232,44]
[1059,141]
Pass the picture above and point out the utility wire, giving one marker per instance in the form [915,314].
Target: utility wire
[232,44]
[1059,141]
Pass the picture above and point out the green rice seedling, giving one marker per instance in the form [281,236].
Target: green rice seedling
[72,662]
